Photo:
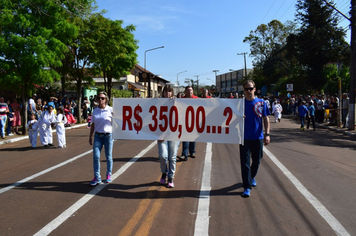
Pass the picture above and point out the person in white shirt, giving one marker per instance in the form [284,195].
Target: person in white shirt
[101,127]
[45,121]
[32,127]
[277,111]
[60,129]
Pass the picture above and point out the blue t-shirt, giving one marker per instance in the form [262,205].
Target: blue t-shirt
[311,110]
[303,110]
[254,111]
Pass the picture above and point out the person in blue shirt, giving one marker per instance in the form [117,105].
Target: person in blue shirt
[303,111]
[256,117]
[311,115]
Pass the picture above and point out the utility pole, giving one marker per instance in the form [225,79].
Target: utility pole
[352,67]
[197,84]
[244,53]
[352,20]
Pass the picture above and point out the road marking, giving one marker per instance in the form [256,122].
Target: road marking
[43,172]
[321,209]
[202,220]
[145,227]
[81,202]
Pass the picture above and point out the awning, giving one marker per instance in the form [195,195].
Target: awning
[135,86]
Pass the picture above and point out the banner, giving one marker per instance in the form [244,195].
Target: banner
[180,119]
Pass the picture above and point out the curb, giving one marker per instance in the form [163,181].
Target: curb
[26,137]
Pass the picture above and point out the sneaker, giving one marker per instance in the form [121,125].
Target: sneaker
[108,178]
[95,181]
[254,183]
[185,158]
[193,155]
[10,134]
[181,158]
[50,144]
[170,183]
[246,192]
[163,178]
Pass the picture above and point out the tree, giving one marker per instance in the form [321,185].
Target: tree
[267,38]
[320,40]
[115,49]
[30,43]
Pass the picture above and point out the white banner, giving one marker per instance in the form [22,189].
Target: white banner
[183,119]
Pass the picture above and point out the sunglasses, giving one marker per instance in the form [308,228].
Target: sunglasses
[102,98]
[249,89]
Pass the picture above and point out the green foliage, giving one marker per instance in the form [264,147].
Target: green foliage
[117,93]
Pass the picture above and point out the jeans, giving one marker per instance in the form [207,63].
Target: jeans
[186,146]
[8,129]
[167,152]
[302,121]
[2,125]
[251,149]
[99,141]
[344,114]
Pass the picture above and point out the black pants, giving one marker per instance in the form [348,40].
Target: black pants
[312,118]
[251,149]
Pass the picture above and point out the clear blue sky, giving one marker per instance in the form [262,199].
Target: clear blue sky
[199,36]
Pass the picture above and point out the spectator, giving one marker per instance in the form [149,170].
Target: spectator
[32,106]
[311,115]
[345,108]
[10,119]
[69,116]
[3,116]
[303,111]
[16,107]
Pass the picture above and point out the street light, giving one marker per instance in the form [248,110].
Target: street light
[177,78]
[149,80]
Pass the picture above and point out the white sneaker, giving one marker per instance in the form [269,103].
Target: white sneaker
[10,134]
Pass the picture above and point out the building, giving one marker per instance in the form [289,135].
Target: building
[152,87]
[230,82]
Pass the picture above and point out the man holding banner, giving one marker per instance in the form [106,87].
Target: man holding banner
[188,146]
[256,111]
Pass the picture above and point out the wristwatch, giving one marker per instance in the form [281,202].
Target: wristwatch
[267,134]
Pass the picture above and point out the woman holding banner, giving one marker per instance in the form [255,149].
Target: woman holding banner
[167,150]
[101,127]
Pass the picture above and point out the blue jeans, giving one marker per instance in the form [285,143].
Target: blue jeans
[302,121]
[2,125]
[99,141]
[251,149]
[167,153]
[188,146]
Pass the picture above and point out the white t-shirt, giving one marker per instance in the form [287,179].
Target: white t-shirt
[31,103]
[102,118]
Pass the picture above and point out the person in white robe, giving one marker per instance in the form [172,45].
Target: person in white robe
[277,111]
[32,127]
[60,129]
[45,121]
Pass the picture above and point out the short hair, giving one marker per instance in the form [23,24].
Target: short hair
[106,97]
[249,81]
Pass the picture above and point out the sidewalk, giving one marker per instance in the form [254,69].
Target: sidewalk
[15,138]
[326,125]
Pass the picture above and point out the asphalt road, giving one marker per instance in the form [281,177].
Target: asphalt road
[306,185]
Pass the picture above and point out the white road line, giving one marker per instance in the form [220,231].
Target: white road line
[43,172]
[202,220]
[76,206]
[329,218]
